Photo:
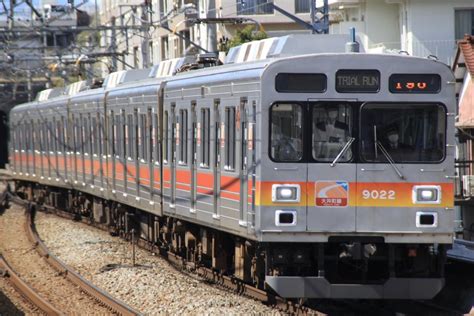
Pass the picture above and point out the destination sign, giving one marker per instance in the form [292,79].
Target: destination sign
[414,83]
[300,83]
[357,81]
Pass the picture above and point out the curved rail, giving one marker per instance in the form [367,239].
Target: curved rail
[219,279]
[26,291]
[104,298]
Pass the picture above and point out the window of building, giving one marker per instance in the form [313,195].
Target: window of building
[463,22]
[253,7]
[164,48]
[135,57]
[230,138]
[302,6]
[205,137]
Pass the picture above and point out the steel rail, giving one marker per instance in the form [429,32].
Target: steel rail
[224,281]
[96,293]
[25,290]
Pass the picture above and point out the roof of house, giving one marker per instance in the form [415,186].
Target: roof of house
[464,60]
[462,67]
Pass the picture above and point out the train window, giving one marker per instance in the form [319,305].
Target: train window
[205,137]
[50,131]
[85,140]
[150,133]
[331,131]
[60,133]
[100,129]
[230,138]
[77,135]
[129,136]
[155,137]
[183,136]
[94,137]
[165,139]
[286,137]
[142,136]
[403,132]
[117,136]
[42,136]
[300,83]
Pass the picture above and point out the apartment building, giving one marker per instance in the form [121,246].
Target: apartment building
[418,27]
[176,34]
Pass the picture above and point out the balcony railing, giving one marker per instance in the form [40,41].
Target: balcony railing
[464,184]
[253,7]
[444,50]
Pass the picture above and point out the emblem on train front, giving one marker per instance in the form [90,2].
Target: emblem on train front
[332,193]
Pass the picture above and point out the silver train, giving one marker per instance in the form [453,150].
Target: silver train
[294,166]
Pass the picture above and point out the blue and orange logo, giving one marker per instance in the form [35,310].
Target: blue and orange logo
[332,193]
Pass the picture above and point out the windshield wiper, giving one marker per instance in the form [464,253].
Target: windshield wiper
[390,159]
[343,151]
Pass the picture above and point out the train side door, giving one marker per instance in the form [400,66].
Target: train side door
[194,155]
[243,112]
[331,174]
[217,159]
[174,139]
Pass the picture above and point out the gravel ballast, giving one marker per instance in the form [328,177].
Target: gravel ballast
[153,286]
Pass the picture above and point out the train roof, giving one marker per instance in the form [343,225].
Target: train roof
[248,60]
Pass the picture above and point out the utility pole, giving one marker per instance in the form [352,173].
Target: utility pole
[146,35]
[211,44]
[113,45]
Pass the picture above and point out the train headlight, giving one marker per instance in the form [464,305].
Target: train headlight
[286,193]
[428,194]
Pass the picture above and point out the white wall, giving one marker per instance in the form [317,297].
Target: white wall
[430,26]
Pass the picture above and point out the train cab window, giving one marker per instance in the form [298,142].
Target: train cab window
[286,137]
[403,132]
[205,137]
[331,124]
[183,137]
[230,139]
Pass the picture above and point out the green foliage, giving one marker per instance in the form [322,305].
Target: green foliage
[247,34]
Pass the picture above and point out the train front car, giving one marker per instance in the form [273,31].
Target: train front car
[356,179]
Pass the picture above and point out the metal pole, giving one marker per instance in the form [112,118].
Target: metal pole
[133,247]
[312,12]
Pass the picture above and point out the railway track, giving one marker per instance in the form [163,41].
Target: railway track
[222,281]
[25,290]
[97,301]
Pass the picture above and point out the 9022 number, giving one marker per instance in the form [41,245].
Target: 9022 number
[378,194]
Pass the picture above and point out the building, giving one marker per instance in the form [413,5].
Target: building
[463,68]
[171,32]
[418,27]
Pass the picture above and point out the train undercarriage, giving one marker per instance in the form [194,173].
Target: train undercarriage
[345,267]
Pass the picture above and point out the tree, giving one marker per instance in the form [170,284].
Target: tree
[247,34]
